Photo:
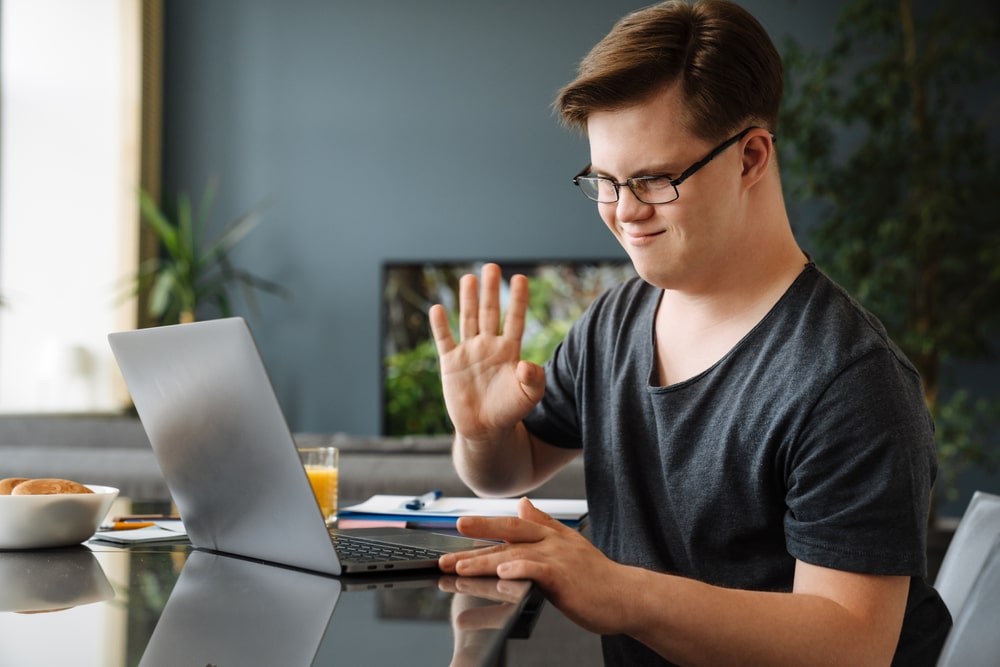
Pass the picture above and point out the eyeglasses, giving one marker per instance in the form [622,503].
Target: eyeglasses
[648,189]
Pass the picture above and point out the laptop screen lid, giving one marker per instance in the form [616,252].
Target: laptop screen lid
[222,442]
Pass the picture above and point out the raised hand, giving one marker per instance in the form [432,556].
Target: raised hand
[488,388]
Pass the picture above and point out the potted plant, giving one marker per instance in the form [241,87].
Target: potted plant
[884,138]
[189,269]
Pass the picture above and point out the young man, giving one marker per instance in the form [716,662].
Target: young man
[758,455]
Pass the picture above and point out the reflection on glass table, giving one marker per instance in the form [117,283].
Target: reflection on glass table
[227,611]
[481,607]
[169,605]
[34,582]
[81,606]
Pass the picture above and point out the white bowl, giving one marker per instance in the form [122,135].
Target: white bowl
[56,520]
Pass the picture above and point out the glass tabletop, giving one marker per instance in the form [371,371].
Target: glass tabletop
[151,605]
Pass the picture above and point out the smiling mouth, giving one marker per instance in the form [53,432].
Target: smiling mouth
[639,237]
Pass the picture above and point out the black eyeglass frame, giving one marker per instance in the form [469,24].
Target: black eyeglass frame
[686,174]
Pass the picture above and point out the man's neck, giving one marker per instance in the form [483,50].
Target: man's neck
[697,327]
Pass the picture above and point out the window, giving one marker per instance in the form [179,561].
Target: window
[70,137]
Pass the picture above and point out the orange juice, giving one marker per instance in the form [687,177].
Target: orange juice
[324,485]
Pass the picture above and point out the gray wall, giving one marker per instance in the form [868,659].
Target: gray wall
[393,130]
[384,129]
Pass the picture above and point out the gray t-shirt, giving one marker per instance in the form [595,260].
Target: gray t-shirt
[809,440]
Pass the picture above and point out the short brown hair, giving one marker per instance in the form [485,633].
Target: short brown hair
[731,74]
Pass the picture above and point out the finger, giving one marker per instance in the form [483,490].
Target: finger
[513,323]
[448,583]
[531,377]
[507,561]
[440,329]
[478,563]
[505,529]
[527,511]
[513,590]
[488,588]
[448,563]
[491,617]
[468,307]
[526,569]
[489,300]
[513,561]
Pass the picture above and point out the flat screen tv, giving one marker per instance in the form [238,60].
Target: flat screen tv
[412,402]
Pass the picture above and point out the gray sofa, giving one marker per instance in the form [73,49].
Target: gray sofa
[113,450]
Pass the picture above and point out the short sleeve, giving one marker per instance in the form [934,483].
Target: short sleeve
[859,479]
[555,419]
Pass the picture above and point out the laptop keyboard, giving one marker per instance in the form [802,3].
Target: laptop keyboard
[359,549]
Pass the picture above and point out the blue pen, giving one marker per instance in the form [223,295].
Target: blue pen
[423,501]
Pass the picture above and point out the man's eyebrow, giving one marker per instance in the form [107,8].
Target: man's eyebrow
[659,169]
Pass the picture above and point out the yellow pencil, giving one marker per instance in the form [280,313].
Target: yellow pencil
[128,525]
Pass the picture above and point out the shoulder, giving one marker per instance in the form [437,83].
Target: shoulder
[617,325]
[623,302]
[818,314]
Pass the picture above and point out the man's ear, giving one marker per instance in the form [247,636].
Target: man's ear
[757,152]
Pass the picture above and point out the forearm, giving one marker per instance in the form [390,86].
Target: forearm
[692,623]
[500,465]
[510,463]
[831,617]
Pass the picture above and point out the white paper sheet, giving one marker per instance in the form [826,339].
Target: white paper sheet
[446,507]
[165,530]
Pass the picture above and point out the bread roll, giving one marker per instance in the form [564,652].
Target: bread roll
[36,487]
[7,485]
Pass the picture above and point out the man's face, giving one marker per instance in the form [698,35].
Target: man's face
[685,244]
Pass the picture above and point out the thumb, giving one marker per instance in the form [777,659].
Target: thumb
[532,379]
[526,510]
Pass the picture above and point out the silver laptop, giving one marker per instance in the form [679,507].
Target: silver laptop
[229,459]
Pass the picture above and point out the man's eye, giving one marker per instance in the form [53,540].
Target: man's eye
[653,183]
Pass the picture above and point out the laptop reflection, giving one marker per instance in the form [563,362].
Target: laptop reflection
[228,611]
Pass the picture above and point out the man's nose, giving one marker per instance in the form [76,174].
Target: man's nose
[629,207]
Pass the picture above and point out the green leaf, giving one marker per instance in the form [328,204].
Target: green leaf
[160,297]
[191,269]
[161,226]
[886,140]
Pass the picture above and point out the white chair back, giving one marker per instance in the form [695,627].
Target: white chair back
[974,640]
[968,550]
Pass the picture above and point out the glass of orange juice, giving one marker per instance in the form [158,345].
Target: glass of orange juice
[322,466]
